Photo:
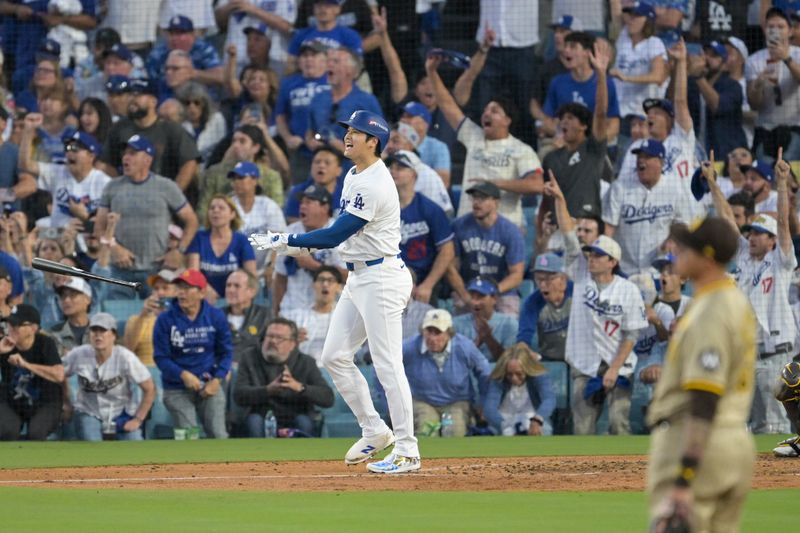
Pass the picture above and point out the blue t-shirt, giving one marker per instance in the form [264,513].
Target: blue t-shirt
[487,252]
[423,227]
[294,99]
[323,108]
[11,265]
[217,268]
[564,90]
[338,37]
[9,154]
[204,56]
[21,39]
[292,206]
[434,153]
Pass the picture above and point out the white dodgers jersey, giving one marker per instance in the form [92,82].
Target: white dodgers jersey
[372,196]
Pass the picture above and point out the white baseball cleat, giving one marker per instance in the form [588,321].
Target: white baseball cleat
[395,464]
[788,448]
[368,447]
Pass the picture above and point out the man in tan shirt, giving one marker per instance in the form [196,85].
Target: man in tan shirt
[702,401]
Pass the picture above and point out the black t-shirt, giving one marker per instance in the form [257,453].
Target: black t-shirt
[174,146]
[22,389]
[721,18]
[579,174]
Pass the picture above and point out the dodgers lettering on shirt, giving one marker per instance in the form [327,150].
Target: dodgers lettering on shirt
[338,37]
[487,251]
[294,100]
[423,227]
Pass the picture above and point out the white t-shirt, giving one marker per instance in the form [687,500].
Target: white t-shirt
[649,337]
[372,196]
[771,115]
[643,217]
[515,22]
[104,391]
[57,180]
[769,204]
[597,319]
[502,159]
[636,61]
[279,50]
[316,326]
[140,28]
[766,285]
[299,291]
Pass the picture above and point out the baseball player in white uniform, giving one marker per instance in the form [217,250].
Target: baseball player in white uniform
[764,266]
[367,233]
[605,321]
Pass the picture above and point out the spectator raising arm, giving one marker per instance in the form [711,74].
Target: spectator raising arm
[463,87]
[551,189]
[600,60]
[721,205]
[680,97]
[398,83]
[221,14]
[782,175]
[452,113]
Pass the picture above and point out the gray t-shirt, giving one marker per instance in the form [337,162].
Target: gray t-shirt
[145,210]
[579,174]
[552,330]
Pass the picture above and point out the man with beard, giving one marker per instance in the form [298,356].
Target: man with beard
[723,98]
[176,152]
[758,179]
[280,379]
[76,187]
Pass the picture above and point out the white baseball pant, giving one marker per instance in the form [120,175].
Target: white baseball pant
[371,308]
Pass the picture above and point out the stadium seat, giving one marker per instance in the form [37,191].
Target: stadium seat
[123,309]
[338,421]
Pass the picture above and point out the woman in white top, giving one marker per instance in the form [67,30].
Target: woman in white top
[641,70]
[204,123]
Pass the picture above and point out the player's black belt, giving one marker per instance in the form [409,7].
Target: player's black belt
[352,266]
[780,349]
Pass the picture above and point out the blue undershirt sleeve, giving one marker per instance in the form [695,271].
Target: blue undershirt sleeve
[346,225]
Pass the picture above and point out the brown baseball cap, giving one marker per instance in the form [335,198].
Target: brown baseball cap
[711,237]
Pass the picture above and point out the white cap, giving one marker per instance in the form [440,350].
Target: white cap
[439,319]
[763,223]
[408,131]
[605,245]
[76,284]
[739,45]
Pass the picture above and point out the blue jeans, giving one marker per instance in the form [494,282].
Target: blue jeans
[117,292]
[255,425]
[91,429]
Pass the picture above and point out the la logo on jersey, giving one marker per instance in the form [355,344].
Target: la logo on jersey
[176,338]
[358,202]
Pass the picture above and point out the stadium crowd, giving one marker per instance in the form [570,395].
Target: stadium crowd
[540,162]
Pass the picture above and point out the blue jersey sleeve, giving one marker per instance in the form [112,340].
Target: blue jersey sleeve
[346,225]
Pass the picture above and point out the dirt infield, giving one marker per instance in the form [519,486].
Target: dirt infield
[602,473]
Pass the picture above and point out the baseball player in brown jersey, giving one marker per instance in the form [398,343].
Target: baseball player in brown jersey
[788,393]
[702,401]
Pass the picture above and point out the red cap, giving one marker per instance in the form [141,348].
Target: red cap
[192,277]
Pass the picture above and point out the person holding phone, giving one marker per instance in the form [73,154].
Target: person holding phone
[773,89]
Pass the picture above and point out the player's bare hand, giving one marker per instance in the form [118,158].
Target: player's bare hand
[190,381]
[675,512]
[610,378]
[211,388]
[782,169]
[601,55]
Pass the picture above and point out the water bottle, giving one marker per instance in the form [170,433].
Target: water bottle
[270,425]
[447,425]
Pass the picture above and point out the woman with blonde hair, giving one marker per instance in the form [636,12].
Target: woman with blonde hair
[520,398]
[220,249]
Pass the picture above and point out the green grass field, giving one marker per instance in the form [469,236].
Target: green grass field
[83,509]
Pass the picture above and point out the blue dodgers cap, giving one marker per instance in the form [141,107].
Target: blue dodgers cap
[568,22]
[761,168]
[180,23]
[416,109]
[141,144]
[49,49]
[663,261]
[369,123]
[118,84]
[245,169]
[699,184]
[484,286]
[670,38]
[144,86]
[718,48]
[258,28]
[652,148]
[86,140]
[549,262]
[121,51]
[641,9]
[659,103]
